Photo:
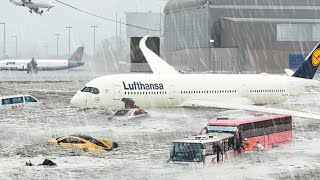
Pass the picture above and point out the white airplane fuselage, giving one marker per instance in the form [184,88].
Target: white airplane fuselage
[35,3]
[175,90]
[45,64]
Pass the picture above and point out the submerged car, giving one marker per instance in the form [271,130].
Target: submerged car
[18,102]
[130,114]
[86,143]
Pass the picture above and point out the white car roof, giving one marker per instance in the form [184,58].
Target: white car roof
[13,96]
[207,138]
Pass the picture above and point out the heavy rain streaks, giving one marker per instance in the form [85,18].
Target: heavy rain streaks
[216,53]
[144,143]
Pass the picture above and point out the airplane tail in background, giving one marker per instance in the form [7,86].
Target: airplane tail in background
[77,55]
[309,67]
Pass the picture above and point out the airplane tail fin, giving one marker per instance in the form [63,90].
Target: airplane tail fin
[77,55]
[157,64]
[309,67]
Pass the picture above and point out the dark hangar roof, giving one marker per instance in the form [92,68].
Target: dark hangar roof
[176,5]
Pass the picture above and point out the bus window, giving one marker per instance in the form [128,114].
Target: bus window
[209,149]
[246,130]
[29,99]
[17,100]
[221,129]
[187,152]
[268,127]
[231,144]
[287,125]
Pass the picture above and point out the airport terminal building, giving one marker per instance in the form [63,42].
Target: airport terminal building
[240,35]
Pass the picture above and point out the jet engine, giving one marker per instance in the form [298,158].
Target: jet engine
[39,12]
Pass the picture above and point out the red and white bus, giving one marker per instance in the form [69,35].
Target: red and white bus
[270,131]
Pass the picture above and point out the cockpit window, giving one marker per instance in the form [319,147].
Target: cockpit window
[86,89]
[91,90]
[94,90]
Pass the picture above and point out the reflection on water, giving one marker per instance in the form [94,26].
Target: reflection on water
[144,143]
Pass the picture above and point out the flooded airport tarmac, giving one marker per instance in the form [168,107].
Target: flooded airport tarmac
[144,143]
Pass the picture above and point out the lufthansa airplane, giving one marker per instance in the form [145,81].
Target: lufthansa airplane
[35,5]
[168,88]
[44,64]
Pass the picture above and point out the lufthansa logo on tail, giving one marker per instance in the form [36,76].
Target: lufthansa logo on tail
[316,57]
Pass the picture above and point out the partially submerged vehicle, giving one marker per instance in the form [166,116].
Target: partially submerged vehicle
[86,143]
[130,114]
[270,131]
[190,150]
[18,102]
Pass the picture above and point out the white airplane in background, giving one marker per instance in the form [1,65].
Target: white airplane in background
[35,5]
[168,88]
[44,64]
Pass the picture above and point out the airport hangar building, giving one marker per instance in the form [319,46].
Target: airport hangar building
[240,35]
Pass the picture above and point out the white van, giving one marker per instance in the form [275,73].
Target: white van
[18,101]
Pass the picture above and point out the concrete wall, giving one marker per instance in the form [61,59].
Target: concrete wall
[259,49]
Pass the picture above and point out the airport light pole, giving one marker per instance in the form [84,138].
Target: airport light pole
[211,41]
[57,43]
[94,38]
[4,39]
[16,45]
[69,28]
[160,22]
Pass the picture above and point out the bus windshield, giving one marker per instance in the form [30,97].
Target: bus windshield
[221,129]
[187,152]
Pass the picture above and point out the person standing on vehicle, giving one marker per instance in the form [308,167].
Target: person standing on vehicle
[204,153]
[218,151]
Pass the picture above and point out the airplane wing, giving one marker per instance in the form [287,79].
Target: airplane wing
[289,72]
[157,65]
[248,107]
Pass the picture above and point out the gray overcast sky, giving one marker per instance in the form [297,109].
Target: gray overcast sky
[35,31]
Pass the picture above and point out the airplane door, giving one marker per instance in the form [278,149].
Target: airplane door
[172,92]
[116,92]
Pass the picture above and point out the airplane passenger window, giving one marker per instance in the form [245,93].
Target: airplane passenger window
[29,99]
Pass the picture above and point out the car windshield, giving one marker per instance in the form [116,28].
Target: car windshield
[92,140]
[187,152]
[122,112]
[70,140]
[29,99]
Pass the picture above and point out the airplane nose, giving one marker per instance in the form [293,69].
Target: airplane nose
[78,101]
